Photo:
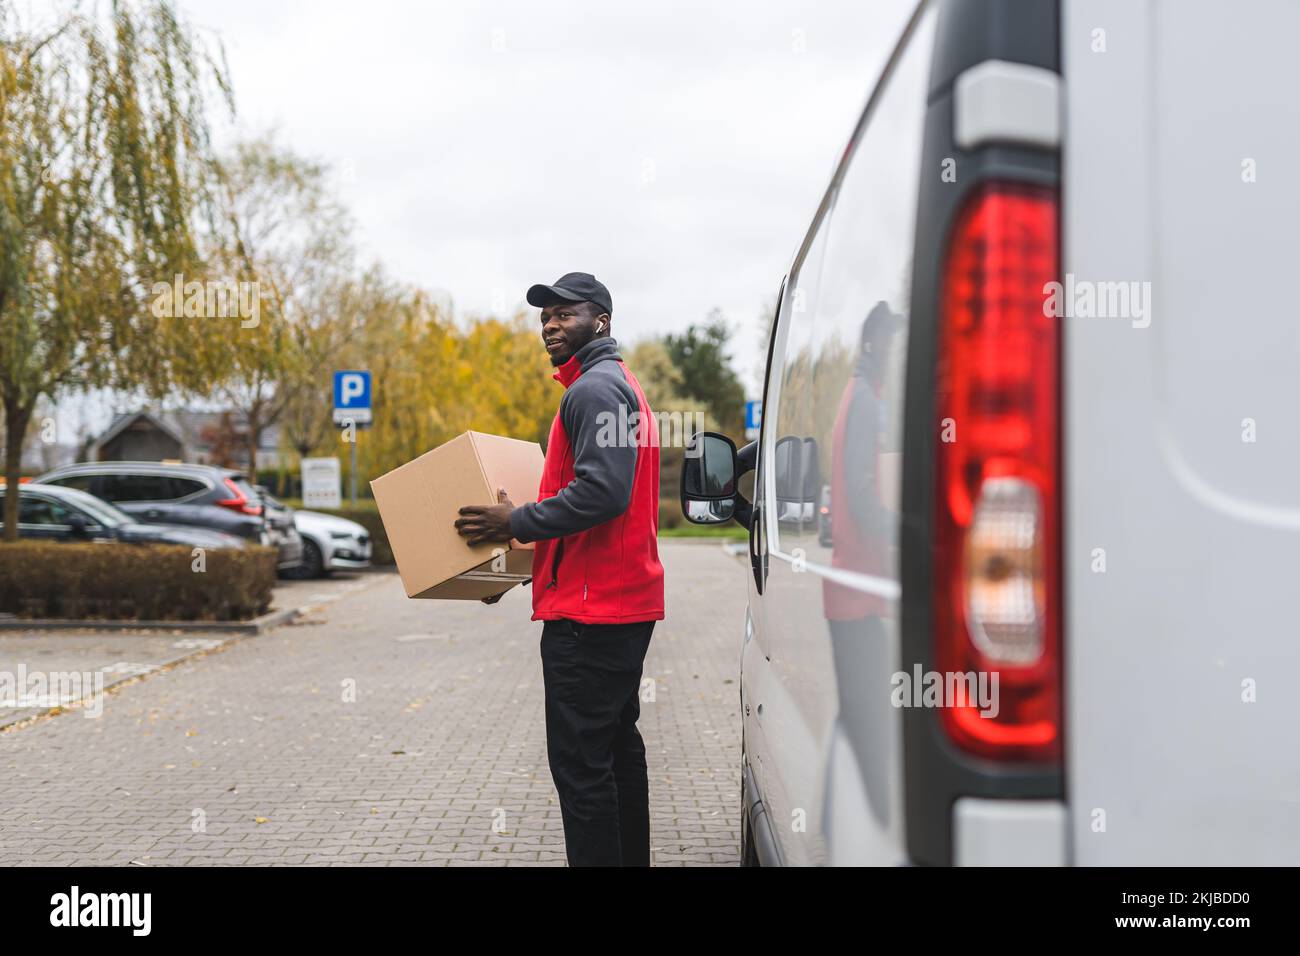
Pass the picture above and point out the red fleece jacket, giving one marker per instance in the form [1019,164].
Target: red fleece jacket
[596,518]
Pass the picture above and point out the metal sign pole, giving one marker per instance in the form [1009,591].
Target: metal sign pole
[353,475]
[352,410]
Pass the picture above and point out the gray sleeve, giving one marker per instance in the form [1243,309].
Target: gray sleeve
[604,461]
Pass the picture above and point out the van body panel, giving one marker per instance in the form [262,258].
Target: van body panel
[1182,437]
[1008,832]
[829,487]
[1180,444]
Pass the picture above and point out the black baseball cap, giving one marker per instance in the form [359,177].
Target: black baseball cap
[572,287]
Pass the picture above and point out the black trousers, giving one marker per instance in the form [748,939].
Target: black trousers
[592,674]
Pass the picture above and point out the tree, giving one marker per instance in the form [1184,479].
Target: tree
[104,153]
[342,316]
[661,380]
[435,381]
[700,355]
[281,232]
[665,390]
[223,440]
[514,393]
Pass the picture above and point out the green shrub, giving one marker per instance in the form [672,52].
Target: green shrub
[729,530]
[281,484]
[670,513]
[155,582]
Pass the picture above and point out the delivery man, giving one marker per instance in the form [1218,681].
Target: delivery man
[598,586]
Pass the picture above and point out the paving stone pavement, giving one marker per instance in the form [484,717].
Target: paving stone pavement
[379,731]
[113,656]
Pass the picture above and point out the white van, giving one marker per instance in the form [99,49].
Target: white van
[1026,509]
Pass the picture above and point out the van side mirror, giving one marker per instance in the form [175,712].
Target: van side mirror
[709,473]
[798,478]
[79,525]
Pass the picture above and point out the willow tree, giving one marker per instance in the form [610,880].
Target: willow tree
[333,336]
[104,161]
[281,230]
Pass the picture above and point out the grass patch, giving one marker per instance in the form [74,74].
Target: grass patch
[730,530]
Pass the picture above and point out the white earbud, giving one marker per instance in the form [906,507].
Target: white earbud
[601,327]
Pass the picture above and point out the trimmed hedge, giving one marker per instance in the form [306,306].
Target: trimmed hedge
[142,582]
[670,513]
[283,485]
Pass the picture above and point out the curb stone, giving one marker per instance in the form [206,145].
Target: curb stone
[257,625]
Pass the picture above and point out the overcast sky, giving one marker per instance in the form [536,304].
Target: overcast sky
[677,150]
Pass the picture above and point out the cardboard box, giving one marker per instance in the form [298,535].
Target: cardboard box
[420,502]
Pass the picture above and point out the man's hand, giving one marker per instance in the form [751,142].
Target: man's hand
[483,523]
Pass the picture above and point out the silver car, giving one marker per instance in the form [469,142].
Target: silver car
[330,543]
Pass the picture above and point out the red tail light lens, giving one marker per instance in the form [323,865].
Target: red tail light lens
[238,500]
[997,597]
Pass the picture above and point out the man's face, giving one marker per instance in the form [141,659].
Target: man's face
[567,327]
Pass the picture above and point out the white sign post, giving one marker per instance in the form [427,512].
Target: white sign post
[322,483]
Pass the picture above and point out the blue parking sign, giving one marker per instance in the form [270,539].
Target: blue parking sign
[352,397]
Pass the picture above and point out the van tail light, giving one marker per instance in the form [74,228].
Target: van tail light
[997,597]
[238,500]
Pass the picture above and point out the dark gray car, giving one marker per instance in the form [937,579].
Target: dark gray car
[52,513]
[202,496]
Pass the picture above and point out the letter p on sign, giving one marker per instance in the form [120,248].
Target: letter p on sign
[352,397]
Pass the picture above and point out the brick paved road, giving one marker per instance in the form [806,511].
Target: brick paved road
[378,731]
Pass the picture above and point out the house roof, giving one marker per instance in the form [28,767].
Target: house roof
[122,422]
[188,427]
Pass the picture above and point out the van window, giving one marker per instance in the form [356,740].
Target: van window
[794,412]
[839,436]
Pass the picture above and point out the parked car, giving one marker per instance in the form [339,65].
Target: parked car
[54,513]
[1044,495]
[329,543]
[279,522]
[203,496]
